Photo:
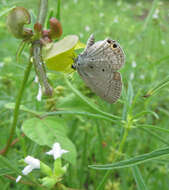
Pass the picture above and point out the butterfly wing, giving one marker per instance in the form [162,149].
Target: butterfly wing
[105,83]
[106,52]
[98,66]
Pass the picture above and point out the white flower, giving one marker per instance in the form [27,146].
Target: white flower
[39,95]
[36,80]
[163,42]
[1,64]
[118,3]
[116,20]
[81,35]
[33,163]
[133,64]
[87,28]
[139,4]
[142,77]
[75,1]
[156,14]
[101,15]
[56,151]
[132,76]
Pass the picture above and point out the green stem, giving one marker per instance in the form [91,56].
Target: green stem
[43,7]
[17,105]
[100,137]
[106,176]
[149,17]
[41,19]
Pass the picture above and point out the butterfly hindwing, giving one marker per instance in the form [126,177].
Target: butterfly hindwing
[98,64]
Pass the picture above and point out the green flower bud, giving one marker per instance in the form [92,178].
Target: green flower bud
[16,20]
[45,169]
[49,182]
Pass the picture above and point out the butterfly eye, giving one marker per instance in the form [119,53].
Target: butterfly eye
[91,66]
[73,67]
[109,41]
[103,70]
[114,45]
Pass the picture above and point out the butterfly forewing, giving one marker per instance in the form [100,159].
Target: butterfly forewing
[98,66]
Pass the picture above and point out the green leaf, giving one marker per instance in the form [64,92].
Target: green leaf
[58,9]
[163,83]
[138,178]
[5,171]
[146,112]
[48,131]
[133,161]
[153,127]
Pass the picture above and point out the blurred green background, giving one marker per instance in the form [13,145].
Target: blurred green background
[141,28]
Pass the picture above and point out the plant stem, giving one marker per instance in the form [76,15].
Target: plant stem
[106,176]
[37,51]
[17,105]
[39,67]
[43,8]
[41,19]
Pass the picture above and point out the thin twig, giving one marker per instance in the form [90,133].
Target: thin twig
[41,19]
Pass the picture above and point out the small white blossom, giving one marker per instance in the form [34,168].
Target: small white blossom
[81,35]
[39,95]
[101,15]
[36,80]
[65,6]
[160,3]
[139,4]
[163,42]
[1,64]
[118,3]
[133,64]
[75,1]
[142,77]
[33,163]
[87,28]
[156,14]
[132,76]
[116,20]
[56,151]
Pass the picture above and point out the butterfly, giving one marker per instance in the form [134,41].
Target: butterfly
[98,66]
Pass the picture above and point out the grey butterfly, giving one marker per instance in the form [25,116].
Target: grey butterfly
[98,64]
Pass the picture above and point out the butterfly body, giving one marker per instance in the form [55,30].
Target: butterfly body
[98,64]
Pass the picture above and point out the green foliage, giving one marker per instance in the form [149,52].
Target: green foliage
[130,132]
[51,130]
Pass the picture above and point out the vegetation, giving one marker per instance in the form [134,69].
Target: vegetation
[121,146]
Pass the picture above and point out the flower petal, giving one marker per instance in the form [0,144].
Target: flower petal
[35,163]
[18,178]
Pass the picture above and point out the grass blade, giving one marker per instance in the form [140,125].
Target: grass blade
[138,178]
[133,161]
[157,136]
[156,89]
[154,127]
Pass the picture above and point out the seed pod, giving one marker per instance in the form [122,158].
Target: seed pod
[16,20]
[37,27]
[55,28]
